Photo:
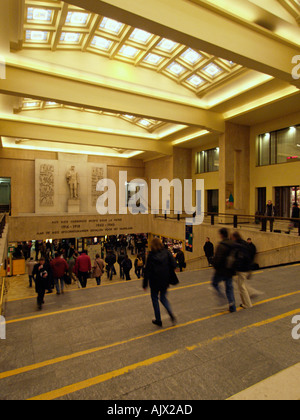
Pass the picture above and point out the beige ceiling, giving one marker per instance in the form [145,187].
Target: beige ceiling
[137,79]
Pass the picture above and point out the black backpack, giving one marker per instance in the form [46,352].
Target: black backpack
[239,258]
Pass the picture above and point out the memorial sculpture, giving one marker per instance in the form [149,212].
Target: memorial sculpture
[73,181]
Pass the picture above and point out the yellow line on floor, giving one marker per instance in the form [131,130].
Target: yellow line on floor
[58,393]
[12,321]
[50,362]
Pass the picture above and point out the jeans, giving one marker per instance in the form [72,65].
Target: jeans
[138,272]
[56,282]
[98,280]
[110,272]
[229,290]
[164,301]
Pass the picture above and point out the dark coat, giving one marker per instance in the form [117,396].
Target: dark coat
[127,264]
[158,270]
[180,257]
[42,276]
[220,259]
[208,249]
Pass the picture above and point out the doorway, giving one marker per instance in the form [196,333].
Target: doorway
[261,200]
[285,197]
[5,195]
[212,201]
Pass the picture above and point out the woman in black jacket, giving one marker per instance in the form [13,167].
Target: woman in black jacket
[159,269]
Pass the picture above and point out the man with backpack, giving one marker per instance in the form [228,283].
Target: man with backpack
[242,266]
[110,260]
[138,265]
[223,272]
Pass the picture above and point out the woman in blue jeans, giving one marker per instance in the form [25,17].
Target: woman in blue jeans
[158,271]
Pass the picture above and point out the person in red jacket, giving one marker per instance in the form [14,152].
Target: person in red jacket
[59,268]
[82,268]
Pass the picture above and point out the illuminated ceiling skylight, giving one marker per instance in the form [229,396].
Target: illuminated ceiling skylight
[153,59]
[167,45]
[55,25]
[146,123]
[37,36]
[111,25]
[176,69]
[70,37]
[129,52]
[140,36]
[195,80]
[101,43]
[212,70]
[39,15]
[77,18]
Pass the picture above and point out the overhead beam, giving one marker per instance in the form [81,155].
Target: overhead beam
[67,89]
[10,126]
[202,28]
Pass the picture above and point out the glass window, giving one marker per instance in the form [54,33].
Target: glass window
[281,146]
[207,161]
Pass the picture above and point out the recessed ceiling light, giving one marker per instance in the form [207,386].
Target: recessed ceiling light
[111,25]
[101,43]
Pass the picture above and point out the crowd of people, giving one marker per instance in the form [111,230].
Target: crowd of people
[232,256]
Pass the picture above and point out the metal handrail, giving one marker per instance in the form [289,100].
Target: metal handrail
[258,253]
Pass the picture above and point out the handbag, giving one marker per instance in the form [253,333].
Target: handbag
[173,278]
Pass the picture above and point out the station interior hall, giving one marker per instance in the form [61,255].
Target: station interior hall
[101,101]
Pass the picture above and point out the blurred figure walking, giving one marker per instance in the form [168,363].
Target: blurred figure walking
[159,270]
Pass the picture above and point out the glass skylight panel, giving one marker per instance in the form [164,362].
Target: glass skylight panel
[145,123]
[138,35]
[129,52]
[101,43]
[39,15]
[70,37]
[31,104]
[167,45]
[49,103]
[129,117]
[77,18]
[212,70]
[191,56]
[153,59]
[176,69]
[37,36]
[111,25]
[195,80]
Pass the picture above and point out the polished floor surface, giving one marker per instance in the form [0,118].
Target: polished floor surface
[99,343]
